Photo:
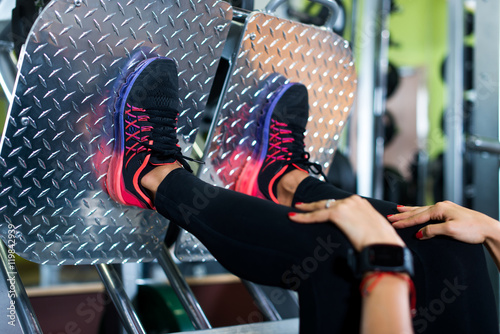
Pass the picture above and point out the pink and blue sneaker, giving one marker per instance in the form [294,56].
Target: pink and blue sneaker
[280,146]
[145,118]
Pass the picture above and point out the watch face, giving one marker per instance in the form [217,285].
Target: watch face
[386,255]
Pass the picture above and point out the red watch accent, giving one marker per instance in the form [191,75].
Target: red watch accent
[365,290]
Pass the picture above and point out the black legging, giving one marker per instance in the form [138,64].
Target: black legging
[255,240]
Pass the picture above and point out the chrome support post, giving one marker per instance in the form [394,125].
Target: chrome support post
[116,292]
[23,309]
[182,290]
[262,301]
[381,68]
[372,66]
[50,275]
[486,118]
[454,122]
[7,70]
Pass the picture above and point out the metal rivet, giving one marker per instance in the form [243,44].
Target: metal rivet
[253,37]
[219,28]
[78,3]
[25,121]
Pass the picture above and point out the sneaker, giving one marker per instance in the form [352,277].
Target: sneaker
[280,146]
[145,118]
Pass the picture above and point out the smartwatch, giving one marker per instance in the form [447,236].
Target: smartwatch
[381,257]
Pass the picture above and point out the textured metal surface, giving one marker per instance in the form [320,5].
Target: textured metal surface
[271,46]
[189,249]
[59,137]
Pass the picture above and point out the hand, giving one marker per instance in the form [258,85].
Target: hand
[355,217]
[457,222]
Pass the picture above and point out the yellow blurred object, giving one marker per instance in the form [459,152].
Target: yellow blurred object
[29,271]
[314,9]
[4,105]
[419,32]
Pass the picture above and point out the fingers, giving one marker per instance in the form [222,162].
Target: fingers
[319,205]
[318,216]
[432,230]
[404,208]
[412,218]
[317,211]
[407,214]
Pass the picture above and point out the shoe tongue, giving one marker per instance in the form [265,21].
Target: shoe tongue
[294,110]
[157,102]
[297,121]
[156,87]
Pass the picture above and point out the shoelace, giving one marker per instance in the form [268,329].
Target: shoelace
[279,152]
[133,132]
[295,143]
[162,133]
[313,167]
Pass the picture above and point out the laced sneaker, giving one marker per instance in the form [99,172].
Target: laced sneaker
[280,146]
[145,118]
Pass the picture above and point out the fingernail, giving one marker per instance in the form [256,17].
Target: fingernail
[299,203]
[419,234]
[401,206]
[389,216]
[291,214]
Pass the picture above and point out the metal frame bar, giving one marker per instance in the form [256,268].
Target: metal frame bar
[454,126]
[114,287]
[364,105]
[371,97]
[262,301]
[381,63]
[330,4]
[182,290]
[475,143]
[24,311]
[7,71]
[486,118]
[422,122]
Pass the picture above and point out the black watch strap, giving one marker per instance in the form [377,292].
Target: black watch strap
[381,257]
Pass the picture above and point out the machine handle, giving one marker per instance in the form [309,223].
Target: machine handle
[330,4]
[479,144]
[243,4]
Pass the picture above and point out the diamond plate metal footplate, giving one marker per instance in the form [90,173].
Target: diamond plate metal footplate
[59,137]
[314,56]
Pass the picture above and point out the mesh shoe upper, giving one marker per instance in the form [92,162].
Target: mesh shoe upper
[288,110]
[281,142]
[146,112]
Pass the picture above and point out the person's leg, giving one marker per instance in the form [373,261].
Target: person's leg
[453,288]
[278,172]
[252,238]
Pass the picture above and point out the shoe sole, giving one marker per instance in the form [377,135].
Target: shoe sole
[247,182]
[115,182]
